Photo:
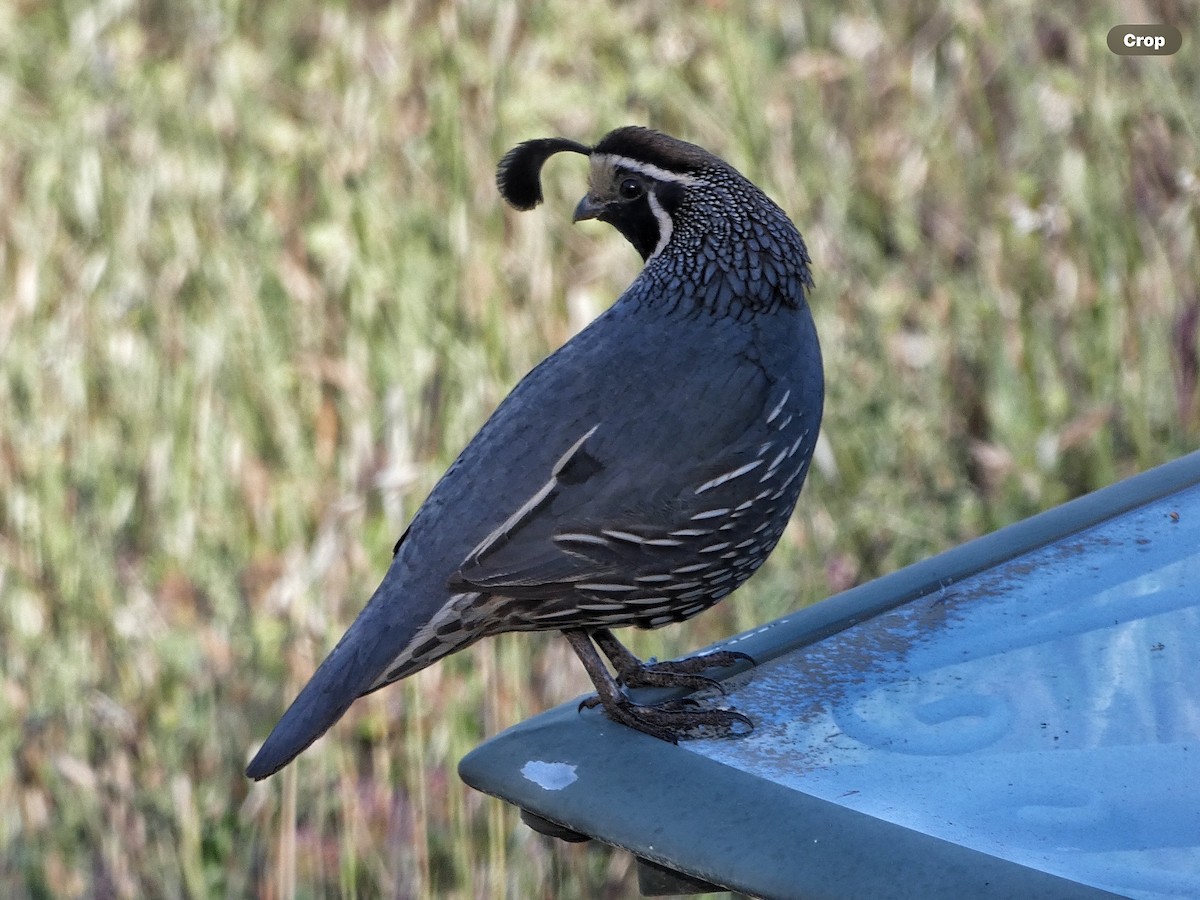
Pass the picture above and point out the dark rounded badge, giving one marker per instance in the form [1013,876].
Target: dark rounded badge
[1144,40]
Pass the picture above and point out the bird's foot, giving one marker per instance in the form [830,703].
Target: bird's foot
[676,673]
[668,721]
[673,720]
[680,673]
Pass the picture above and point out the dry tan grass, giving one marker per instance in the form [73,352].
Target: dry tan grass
[257,289]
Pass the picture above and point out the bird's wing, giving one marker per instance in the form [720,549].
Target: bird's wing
[594,521]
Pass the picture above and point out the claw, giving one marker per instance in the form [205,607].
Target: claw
[735,716]
[668,721]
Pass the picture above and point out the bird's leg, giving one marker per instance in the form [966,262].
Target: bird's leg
[682,673]
[619,707]
[666,721]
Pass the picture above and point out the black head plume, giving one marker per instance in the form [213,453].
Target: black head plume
[519,174]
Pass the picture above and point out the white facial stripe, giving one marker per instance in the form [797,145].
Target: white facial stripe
[648,169]
[664,224]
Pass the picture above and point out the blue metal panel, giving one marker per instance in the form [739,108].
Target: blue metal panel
[1046,711]
[1017,717]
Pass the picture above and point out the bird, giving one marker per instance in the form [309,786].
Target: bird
[635,477]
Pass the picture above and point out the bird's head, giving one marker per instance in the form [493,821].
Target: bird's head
[718,239]
[638,182]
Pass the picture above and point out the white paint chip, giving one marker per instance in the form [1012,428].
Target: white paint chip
[549,776]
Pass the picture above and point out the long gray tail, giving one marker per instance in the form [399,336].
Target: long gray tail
[373,641]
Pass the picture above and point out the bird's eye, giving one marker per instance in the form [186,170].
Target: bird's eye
[630,189]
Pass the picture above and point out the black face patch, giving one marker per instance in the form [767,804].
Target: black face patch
[670,195]
[635,219]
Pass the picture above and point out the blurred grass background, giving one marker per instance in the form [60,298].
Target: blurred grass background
[257,289]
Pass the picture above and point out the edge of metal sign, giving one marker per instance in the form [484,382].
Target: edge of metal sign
[813,623]
[692,814]
[723,826]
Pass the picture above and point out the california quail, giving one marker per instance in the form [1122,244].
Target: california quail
[636,476]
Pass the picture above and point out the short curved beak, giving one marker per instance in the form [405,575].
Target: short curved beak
[589,208]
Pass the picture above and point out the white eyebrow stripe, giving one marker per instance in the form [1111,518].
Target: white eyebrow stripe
[729,476]
[644,168]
